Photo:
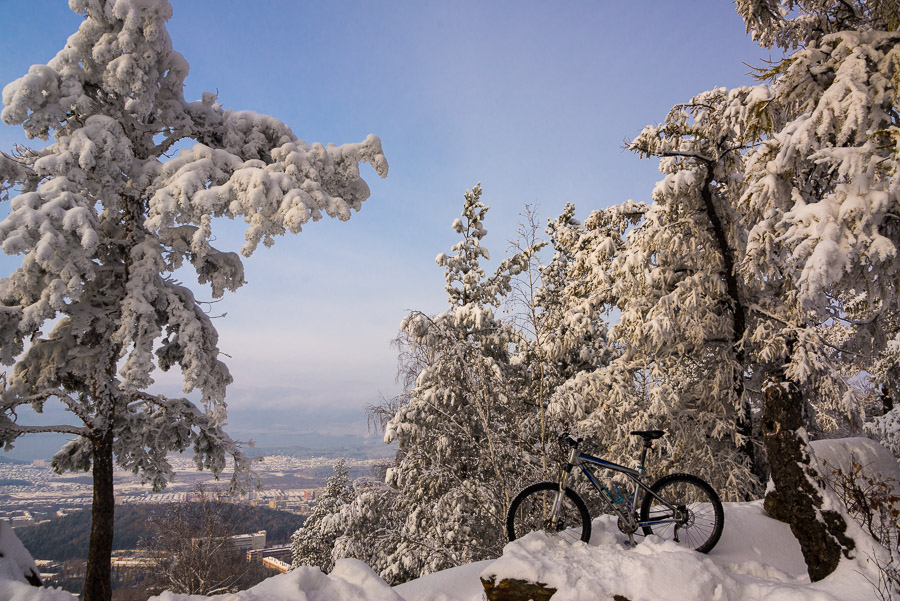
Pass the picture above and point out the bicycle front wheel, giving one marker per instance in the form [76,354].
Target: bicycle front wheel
[531,510]
[695,518]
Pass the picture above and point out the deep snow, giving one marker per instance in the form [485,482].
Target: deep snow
[757,558]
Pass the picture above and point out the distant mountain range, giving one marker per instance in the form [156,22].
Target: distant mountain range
[43,446]
[361,451]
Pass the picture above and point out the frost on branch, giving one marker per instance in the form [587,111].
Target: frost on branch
[790,24]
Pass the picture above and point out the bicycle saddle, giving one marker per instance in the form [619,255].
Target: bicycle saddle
[649,434]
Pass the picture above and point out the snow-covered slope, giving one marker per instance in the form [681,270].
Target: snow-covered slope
[756,559]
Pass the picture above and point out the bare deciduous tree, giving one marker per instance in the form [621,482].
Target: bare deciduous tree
[192,550]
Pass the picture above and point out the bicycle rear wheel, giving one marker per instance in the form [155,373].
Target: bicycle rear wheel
[531,509]
[698,518]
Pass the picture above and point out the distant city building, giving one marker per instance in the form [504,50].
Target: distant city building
[283,553]
[277,564]
[254,541]
[131,562]
[25,519]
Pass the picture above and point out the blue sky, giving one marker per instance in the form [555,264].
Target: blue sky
[533,99]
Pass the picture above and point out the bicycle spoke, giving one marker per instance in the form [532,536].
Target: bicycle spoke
[697,518]
[532,511]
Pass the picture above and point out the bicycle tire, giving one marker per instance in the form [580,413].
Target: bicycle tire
[530,511]
[701,527]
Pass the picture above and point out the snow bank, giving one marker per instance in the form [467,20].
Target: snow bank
[350,580]
[16,567]
[757,558]
[840,453]
[456,584]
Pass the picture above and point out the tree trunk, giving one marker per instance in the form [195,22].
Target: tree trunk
[97,585]
[744,418]
[799,490]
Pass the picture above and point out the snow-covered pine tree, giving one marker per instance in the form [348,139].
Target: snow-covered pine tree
[457,467]
[102,219]
[814,271]
[822,194]
[312,544]
[459,459]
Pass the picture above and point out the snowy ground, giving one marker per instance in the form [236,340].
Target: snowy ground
[757,558]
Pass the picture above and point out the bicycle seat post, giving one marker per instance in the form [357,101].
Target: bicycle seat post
[648,436]
[648,444]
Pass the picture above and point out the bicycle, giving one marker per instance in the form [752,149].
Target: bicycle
[678,507]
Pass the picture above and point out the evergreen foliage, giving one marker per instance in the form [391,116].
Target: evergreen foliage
[311,545]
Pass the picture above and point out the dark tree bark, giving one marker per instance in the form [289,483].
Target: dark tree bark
[97,585]
[739,316]
[799,490]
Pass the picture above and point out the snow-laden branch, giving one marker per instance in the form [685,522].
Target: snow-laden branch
[17,429]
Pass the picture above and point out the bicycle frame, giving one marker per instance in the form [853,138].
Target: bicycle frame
[629,523]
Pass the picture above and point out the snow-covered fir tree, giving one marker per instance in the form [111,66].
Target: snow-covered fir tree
[456,470]
[312,544]
[102,219]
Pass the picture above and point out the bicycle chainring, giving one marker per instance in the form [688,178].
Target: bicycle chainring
[625,527]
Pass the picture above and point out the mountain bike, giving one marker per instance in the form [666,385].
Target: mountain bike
[678,507]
